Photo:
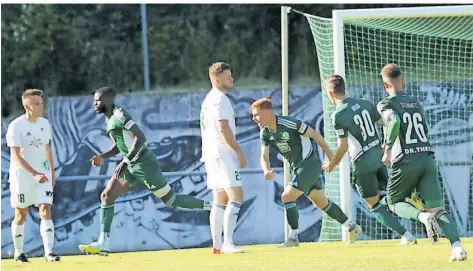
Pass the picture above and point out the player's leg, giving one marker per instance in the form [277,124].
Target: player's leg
[431,194]
[114,189]
[401,184]
[288,198]
[367,186]
[234,193]
[220,200]
[21,196]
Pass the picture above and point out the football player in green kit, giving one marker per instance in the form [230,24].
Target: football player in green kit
[354,123]
[139,165]
[292,138]
[413,163]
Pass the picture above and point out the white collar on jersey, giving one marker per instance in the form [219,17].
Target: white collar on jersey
[216,90]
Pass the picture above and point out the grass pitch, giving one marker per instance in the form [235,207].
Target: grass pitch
[371,255]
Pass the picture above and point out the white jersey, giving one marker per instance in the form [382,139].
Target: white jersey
[32,139]
[216,107]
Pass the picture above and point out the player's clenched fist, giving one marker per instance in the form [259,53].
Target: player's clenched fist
[269,175]
[97,160]
[40,178]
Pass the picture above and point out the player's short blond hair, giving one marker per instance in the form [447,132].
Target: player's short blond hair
[391,71]
[336,84]
[263,103]
[31,92]
[218,68]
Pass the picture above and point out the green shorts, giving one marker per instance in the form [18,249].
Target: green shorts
[147,172]
[306,176]
[417,172]
[369,183]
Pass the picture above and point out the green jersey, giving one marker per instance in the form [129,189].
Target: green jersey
[355,119]
[118,129]
[412,138]
[288,139]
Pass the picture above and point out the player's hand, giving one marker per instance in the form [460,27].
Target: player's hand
[269,175]
[241,159]
[40,178]
[120,170]
[97,160]
[327,167]
[386,157]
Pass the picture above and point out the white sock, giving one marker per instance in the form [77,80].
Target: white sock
[407,235]
[423,217]
[216,224]
[456,244]
[18,236]
[47,233]
[348,224]
[230,221]
[104,239]
[293,233]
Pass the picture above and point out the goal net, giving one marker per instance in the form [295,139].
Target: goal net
[435,52]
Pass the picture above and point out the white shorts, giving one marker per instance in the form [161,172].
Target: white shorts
[26,191]
[222,172]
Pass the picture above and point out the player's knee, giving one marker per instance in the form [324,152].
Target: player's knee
[287,196]
[372,201]
[45,211]
[20,215]
[106,197]
[391,207]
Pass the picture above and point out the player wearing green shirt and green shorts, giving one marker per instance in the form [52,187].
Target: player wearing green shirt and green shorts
[139,166]
[291,137]
[413,163]
[354,123]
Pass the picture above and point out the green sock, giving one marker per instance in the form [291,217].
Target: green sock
[184,201]
[292,214]
[106,217]
[387,218]
[406,210]
[448,226]
[334,211]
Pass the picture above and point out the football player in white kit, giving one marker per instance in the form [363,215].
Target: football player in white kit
[222,157]
[32,177]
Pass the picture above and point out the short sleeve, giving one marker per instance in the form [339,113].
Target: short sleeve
[340,129]
[385,110]
[224,109]
[264,137]
[123,120]
[13,135]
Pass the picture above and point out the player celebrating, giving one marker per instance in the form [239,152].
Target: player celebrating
[291,138]
[353,121]
[32,176]
[222,157]
[413,162]
[139,165]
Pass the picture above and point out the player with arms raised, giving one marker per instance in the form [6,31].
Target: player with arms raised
[222,157]
[32,176]
[413,163]
[139,165]
[292,138]
[353,121]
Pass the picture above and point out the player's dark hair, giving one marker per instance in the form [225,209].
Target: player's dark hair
[218,68]
[107,91]
[336,84]
[391,71]
[32,92]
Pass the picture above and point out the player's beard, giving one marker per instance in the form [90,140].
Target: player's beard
[102,109]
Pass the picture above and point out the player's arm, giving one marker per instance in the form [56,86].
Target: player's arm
[16,157]
[138,143]
[342,134]
[111,152]
[391,122]
[49,156]
[319,140]
[264,159]
[229,137]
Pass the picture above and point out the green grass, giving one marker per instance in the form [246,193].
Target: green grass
[372,255]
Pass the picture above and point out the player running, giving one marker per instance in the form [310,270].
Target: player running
[139,165]
[292,139]
[353,121]
[32,177]
[413,163]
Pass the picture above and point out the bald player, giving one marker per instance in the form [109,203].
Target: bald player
[32,177]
